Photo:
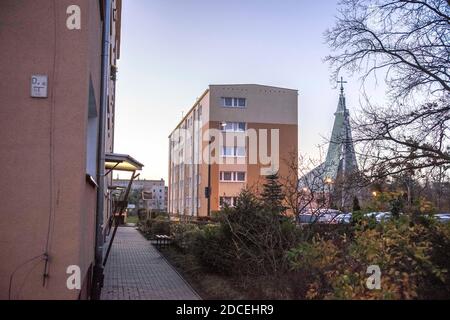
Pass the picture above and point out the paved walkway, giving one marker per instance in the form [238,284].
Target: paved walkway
[136,271]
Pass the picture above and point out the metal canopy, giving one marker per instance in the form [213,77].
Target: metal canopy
[122,162]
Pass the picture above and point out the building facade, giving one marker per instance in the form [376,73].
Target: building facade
[153,193]
[52,105]
[231,138]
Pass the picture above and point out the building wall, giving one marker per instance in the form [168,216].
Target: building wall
[157,188]
[267,108]
[48,205]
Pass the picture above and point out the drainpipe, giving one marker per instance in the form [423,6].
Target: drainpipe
[98,267]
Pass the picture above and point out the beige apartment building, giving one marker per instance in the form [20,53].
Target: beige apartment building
[153,193]
[231,138]
[57,104]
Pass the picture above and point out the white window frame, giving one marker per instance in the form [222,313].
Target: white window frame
[234,102]
[234,126]
[237,174]
[234,152]
[234,176]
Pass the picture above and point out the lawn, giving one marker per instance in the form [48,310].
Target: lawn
[132,219]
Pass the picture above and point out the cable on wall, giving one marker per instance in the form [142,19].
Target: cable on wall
[52,211]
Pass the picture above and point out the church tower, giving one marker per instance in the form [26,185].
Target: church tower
[341,158]
[340,167]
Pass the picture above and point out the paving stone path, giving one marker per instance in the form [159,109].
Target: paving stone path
[136,271]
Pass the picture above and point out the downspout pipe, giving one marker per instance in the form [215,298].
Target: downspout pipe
[104,100]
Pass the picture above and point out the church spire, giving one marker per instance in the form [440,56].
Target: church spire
[342,108]
[340,161]
[342,85]
[341,155]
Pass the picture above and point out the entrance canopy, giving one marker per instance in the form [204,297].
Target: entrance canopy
[122,162]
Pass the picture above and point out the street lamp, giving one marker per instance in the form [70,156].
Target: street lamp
[329,182]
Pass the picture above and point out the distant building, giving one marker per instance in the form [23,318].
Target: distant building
[153,193]
[207,172]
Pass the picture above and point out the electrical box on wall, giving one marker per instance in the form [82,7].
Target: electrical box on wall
[39,86]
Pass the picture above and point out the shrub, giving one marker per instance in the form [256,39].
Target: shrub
[407,253]
[248,240]
[214,252]
[142,214]
[184,235]
[159,225]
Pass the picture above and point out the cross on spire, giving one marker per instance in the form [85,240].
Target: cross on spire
[341,82]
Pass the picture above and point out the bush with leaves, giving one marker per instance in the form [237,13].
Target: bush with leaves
[184,235]
[157,226]
[214,251]
[408,253]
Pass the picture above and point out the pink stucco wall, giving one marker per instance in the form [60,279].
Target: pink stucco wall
[46,203]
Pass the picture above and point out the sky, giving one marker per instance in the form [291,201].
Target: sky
[172,50]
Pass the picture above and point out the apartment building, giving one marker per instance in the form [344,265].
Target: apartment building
[153,193]
[231,138]
[58,66]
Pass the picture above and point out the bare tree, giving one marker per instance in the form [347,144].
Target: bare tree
[309,193]
[409,40]
[314,196]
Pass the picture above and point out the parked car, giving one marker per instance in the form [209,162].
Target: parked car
[326,216]
[344,218]
[383,216]
[443,217]
[305,218]
[379,216]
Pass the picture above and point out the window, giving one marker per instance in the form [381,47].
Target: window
[240,152]
[240,176]
[226,176]
[233,126]
[92,134]
[228,102]
[227,126]
[227,151]
[226,201]
[234,102]
[229,201]
[233,152]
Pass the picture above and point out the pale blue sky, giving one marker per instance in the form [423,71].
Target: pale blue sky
[173,49]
